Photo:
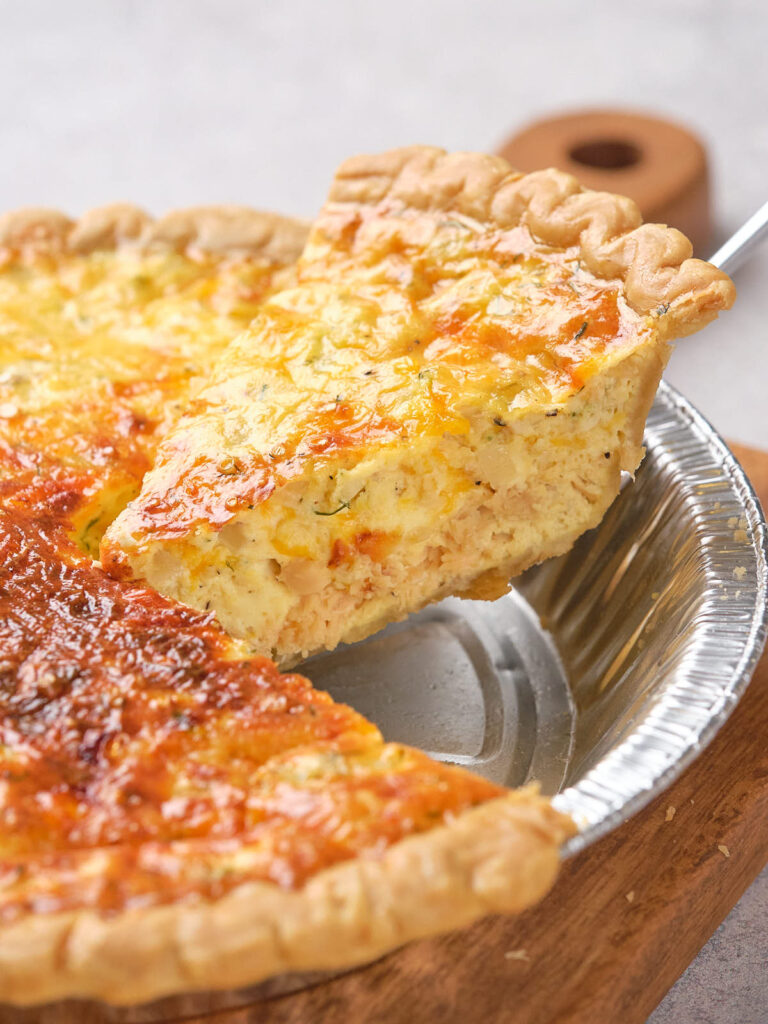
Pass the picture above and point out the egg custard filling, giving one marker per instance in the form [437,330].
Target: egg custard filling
[100,350]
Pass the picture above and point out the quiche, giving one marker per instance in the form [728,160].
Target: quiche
[175,813]
[446,394]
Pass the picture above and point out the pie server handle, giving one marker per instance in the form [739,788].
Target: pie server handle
[732,253]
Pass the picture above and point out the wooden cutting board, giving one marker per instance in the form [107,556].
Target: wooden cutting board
[624,920]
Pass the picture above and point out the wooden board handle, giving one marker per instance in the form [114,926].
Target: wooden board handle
[659,164]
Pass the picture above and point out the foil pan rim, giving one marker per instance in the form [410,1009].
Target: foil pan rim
[648,760]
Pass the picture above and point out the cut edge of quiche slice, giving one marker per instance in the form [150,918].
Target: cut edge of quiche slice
[448,395]
[114,886]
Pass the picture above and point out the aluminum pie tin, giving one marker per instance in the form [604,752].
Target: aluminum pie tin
[660,617]
[605,671]
[602,675]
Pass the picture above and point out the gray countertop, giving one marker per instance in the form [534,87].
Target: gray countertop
[726,983]
[190,101]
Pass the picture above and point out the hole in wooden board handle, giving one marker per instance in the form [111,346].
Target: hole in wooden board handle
[610,154]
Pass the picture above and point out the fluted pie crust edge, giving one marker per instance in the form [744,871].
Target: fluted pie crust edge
[651,261]
[226,230]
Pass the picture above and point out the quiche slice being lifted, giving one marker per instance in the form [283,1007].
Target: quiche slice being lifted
[446,396]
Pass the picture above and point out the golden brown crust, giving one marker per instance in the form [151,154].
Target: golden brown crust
[651,260]
[34,229]
[501,856]
[230,229]
[109,227]
[218,230]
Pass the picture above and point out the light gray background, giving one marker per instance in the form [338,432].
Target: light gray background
[170,103]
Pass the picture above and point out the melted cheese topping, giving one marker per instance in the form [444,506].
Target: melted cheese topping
[422,328]
[99,354]
[142,760]
[144,757]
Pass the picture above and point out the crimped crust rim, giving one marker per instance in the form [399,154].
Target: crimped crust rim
[651,262]
[501,856]
[221,229]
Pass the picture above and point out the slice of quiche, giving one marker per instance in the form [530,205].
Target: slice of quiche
[174,814]
[447,395]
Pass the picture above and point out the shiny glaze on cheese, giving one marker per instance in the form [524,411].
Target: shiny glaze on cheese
[144,758]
